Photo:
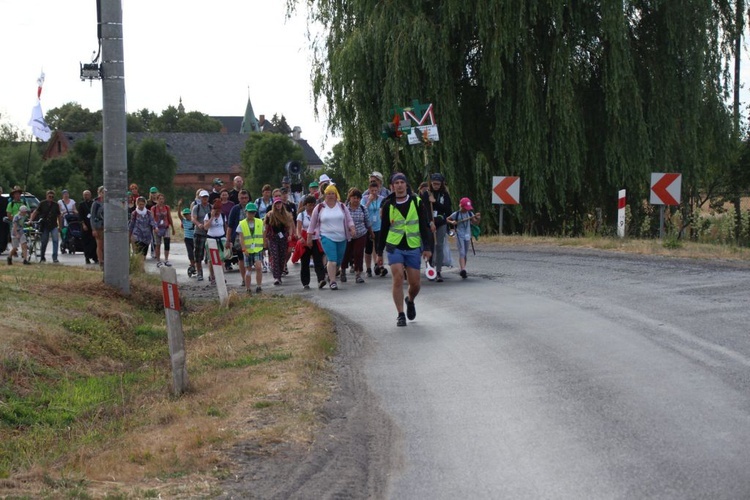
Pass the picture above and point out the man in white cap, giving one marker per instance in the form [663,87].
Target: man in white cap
[198,216]
[378,177]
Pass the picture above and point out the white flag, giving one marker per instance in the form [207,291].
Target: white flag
[39,84]
[39,127]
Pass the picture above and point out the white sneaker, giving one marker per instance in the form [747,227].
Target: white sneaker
[159,264]
[167,263]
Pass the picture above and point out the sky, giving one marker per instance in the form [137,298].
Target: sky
[212,54]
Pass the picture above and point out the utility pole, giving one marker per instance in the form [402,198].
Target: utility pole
[114,138]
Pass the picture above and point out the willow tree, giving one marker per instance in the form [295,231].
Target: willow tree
[578,98]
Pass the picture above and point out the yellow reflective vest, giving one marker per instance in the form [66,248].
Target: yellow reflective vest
[408,226]
[253,238]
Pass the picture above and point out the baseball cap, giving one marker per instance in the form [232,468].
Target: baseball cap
[186,211]
[277,200]
[313,184]
[466,204]
[218,181]
[202,193]
[324,178]
[251,207]
[153,189]
[285,180]
[23,208]
[378,175]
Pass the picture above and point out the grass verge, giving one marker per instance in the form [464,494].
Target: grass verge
[85,403]
[668,247]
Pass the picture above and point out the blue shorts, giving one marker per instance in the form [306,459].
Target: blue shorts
[463,247]
[334,250]
[409,258]
[251,258]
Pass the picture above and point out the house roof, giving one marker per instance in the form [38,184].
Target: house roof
[232,124]
[312,158]
[198,153]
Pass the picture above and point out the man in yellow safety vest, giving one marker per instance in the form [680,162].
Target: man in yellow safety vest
[406,236]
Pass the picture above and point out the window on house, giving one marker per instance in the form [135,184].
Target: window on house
[201,177]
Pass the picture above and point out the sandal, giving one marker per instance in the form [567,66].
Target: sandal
[334,286]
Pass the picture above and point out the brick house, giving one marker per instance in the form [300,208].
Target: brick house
[201,157]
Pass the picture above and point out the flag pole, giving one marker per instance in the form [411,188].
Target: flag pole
[28,163]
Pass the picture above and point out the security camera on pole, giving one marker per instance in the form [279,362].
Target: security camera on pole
[294,172]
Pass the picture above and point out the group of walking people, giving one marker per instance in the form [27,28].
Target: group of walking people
[62,220]
[336,238]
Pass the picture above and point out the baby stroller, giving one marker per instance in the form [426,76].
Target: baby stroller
[72,240]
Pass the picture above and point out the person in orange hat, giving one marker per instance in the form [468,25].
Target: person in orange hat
[462,219]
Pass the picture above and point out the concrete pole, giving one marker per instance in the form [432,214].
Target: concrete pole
[116,244]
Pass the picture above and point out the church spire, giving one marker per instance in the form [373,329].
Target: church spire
[249,122]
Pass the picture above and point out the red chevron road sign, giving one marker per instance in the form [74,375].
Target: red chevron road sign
[665,189]
[506,190]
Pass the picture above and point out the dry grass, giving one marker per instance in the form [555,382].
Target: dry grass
[258,372]
[686,249]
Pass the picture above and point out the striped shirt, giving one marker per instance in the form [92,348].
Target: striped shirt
[189,228]
[361,220]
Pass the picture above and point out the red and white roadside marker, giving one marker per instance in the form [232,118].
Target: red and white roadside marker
[174,329]
[218,267]
[621,202]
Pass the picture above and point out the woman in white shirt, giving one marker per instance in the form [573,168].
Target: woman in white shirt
[332,224]
[215,225]
[67,207]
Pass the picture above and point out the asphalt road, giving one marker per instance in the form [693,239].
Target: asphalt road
[565,374]
[554,373]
